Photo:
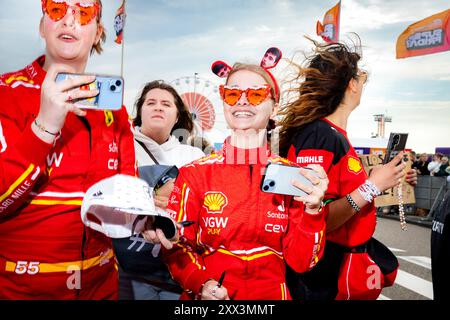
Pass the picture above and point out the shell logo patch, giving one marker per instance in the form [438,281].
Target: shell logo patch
[214,202]
[354,165]
[16,81]
[18,78]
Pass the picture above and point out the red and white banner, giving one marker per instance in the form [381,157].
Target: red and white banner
[119,23]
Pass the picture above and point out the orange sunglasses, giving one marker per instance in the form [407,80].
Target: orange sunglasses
[255,96]
[57,9]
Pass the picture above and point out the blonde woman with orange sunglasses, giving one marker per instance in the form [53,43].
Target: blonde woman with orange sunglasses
[241,237]
[51,152]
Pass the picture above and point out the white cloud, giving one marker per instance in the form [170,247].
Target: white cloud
[162,45]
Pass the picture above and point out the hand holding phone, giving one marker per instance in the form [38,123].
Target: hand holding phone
[397,143]
[392,171]
[277,179]
[306,184]
[110,89]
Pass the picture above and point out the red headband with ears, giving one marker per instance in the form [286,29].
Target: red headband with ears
[270,60]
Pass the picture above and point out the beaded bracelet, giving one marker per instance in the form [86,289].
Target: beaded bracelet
[368,191]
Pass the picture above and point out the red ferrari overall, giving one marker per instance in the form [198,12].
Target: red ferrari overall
[46,252]
[239,228]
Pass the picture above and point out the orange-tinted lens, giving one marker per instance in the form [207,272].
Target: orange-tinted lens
[87,13]
[256,96]
[56,10]
[231,96]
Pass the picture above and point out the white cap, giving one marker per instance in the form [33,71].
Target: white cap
[111,206]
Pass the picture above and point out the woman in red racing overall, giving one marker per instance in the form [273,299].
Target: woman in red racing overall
[51,152]
[314,131]
[238,228]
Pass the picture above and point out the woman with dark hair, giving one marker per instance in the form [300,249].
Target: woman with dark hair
[313,131]
[162,119]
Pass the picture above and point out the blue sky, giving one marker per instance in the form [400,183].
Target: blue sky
[170,39]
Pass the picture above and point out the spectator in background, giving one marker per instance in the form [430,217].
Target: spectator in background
[422,165]
[434,165]
[412,156]
[442,172]
[161,116]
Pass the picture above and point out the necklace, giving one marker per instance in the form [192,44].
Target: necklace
[401,209]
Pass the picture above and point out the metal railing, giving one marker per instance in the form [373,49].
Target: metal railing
[429,192]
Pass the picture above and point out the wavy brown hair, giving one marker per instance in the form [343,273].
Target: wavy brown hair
[323,81]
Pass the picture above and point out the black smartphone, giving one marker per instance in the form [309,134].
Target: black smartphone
[397,143]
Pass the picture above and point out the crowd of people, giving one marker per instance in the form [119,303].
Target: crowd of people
[243,243]
[436,166]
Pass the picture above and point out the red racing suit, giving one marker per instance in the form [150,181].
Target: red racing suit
[46,252]
[239,228]
[322,142]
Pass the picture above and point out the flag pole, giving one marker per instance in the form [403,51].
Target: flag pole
[123,39]
[339,22]
[121,59]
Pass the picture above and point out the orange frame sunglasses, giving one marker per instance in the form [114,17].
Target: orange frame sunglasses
[57,9]
[255,96]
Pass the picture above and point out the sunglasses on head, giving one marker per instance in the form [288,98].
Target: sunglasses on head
[57,9]
[255,95]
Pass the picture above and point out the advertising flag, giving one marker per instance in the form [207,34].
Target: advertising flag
[119,23]
[329,30]
[430,35]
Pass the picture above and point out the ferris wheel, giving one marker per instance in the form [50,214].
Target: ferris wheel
[200,96]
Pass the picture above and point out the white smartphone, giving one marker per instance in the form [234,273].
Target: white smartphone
[110,88]
[277,179]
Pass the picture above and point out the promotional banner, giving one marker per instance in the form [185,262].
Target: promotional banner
[119,23]
[430,35]
[329,30]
